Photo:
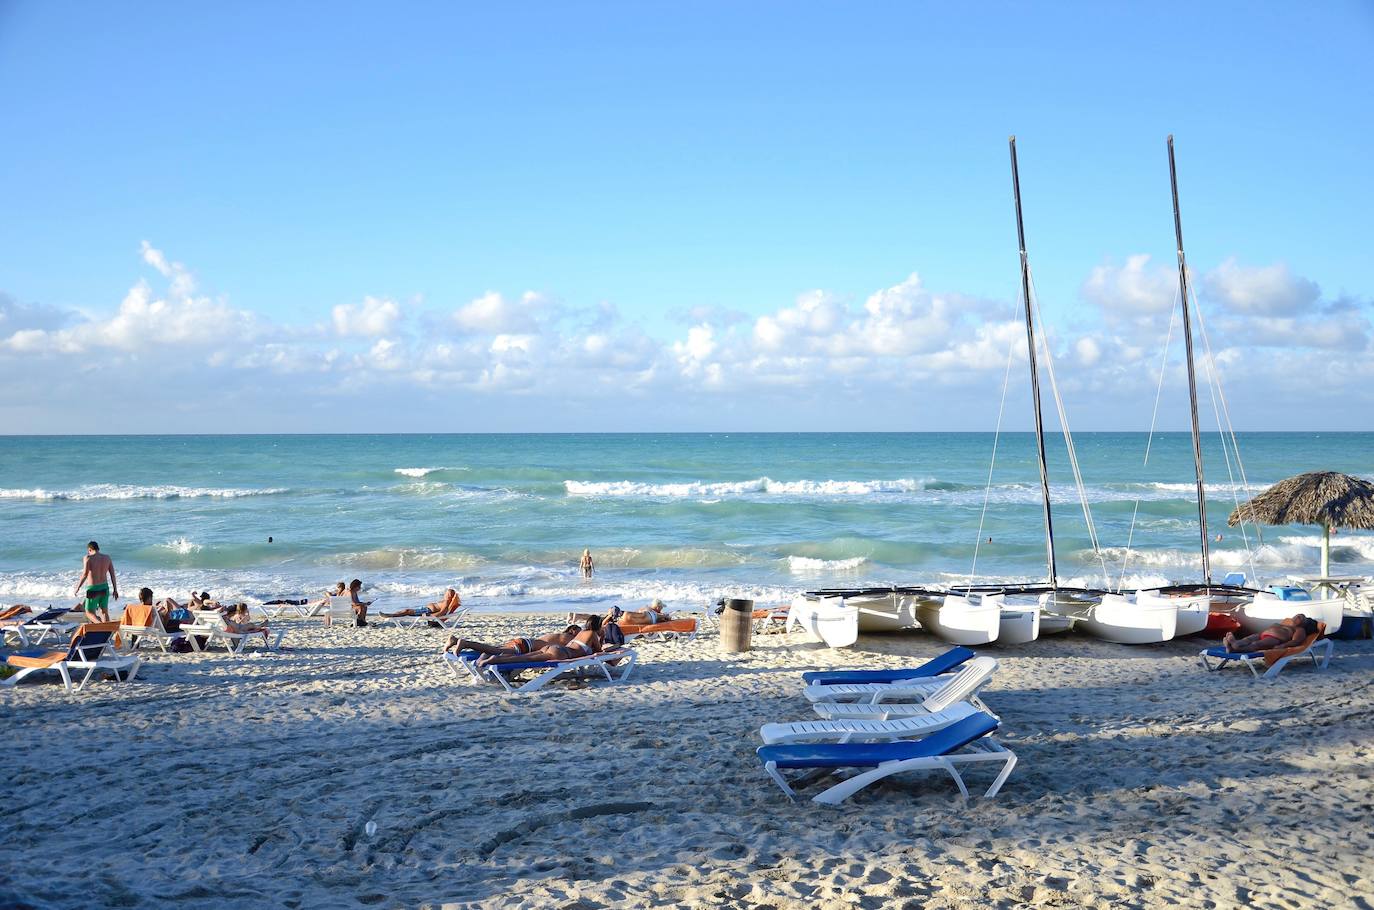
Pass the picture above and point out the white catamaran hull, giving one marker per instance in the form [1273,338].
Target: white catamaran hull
[825,618]
[1192,610]
[1128,622]
[885,612]
[1267,609]
[979,620]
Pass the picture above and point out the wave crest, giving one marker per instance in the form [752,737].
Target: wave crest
[129,491]
[763,485]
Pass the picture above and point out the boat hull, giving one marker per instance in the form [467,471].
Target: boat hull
[962,620]
[885,613]
[825,618]
[1123,621]
[1267,609]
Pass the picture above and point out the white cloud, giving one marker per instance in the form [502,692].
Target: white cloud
[1271,290]
[493,314]
[1134,289]
[369,319]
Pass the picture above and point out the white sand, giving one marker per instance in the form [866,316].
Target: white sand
[217,782]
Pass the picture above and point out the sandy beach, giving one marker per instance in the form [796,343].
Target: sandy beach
[216,782]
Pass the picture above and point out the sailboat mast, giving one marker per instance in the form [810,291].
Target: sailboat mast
[1034,371]
[1192,373]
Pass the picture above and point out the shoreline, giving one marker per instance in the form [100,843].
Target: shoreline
[250,782]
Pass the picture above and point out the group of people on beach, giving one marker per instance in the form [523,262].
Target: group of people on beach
[585,635]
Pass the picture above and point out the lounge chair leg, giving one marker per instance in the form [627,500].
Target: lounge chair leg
[1002,777]
[772,769]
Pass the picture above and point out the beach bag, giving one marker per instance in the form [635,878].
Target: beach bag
[612,634]
[180,646]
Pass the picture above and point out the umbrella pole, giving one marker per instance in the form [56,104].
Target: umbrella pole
[1326,551]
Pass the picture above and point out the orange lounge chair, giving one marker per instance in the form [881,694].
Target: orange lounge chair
[89,651]
[670,629]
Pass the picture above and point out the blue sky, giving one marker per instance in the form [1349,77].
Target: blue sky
[690,216]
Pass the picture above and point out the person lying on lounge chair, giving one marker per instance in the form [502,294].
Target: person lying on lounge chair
[238,620]
[1287,634]
[584,644]
[446,605]
[655,613]
[515,645]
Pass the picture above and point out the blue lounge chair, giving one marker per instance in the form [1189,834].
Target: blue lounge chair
[89,650]
[950,660]
[943,750]
[34,629]
[1217,657]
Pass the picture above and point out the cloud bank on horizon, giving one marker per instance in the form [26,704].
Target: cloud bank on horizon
[171,357]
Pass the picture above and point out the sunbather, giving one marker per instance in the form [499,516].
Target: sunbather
[1292,631]
[359,606]
[515,645]
[238,621]
[446,605]
[655,613]
[584,644]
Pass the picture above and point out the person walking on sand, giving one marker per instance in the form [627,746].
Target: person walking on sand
[99,570]
[587,566]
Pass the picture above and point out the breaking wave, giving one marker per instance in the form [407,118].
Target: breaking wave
[807,565]
[760,485]
[126,491]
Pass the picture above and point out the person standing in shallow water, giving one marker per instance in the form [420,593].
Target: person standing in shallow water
[587,566]
[99,570]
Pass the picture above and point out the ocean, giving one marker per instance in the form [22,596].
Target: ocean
[684,517]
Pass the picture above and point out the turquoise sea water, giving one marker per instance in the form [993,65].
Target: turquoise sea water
[685,517]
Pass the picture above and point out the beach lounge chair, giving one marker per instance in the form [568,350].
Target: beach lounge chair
[210,625]
[32,629]
[463,664]
[143,623]
[661,631]
[447,621]
[771,619]
[88,650]
[944,663]
[974,673]
[910,726]
[964,742]
[621,661]
[1272,662]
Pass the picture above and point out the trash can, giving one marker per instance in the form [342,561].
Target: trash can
[736,624]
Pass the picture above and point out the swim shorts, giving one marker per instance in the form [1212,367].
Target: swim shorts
[97,598]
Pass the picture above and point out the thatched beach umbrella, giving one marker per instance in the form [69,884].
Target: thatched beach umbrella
[1326,498]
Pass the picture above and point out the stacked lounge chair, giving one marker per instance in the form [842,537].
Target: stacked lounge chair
[917,719]
[614,666]
[32,629]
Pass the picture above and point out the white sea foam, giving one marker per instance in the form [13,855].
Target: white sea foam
[762,485]
[806,565]
[127,491]
[182,546]
[421,472]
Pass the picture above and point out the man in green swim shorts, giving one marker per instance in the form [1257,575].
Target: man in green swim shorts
[99,570]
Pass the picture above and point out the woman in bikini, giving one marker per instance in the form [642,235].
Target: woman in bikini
[1292,631]
[655,613]
[450,602]
[583,644]
[515,645]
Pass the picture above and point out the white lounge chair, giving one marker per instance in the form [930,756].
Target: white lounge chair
[912,726]
[210,625]
[621,661]
[32,629]
[89,650]
[143,623]
[939,692]
[967,741]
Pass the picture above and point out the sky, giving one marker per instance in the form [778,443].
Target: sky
[442,217]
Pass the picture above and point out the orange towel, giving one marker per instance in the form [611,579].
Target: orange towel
[42,660]
[11,612]
[1273,656]
[770,611]
[672,625]
[137,615]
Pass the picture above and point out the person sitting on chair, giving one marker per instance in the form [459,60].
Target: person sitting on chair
[238,620]
[1287,634]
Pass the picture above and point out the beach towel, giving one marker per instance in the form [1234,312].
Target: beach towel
[1274,655]
[11,612]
